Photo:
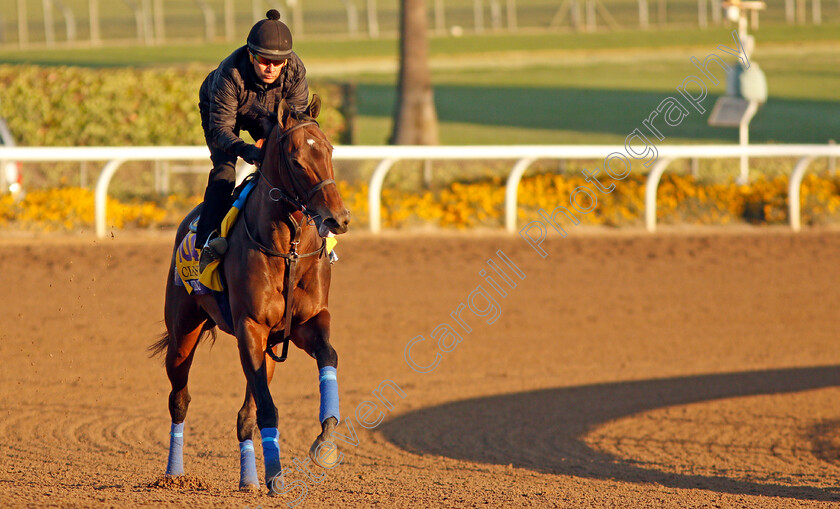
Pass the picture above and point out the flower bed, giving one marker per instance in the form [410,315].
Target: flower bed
[681,200]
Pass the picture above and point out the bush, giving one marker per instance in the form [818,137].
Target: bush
[71,208]
[680,200]
[78,106]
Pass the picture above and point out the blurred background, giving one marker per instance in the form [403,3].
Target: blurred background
[504,72]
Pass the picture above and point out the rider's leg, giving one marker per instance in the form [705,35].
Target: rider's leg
[217,196]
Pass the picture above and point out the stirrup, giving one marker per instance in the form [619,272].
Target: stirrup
[213,250]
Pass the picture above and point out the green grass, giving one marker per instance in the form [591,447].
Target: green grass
[113,54]
[183,19]
[602,102]
[574,88]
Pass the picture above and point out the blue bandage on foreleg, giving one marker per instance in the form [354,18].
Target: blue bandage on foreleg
[271,454]
[329,393]
[175,463]
[247,465]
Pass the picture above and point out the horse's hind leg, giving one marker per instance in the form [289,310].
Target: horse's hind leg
[246,430]
[314,338]
[184,326]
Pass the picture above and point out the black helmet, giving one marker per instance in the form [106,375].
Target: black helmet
[270,38]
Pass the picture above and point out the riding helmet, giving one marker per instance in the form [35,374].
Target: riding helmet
[270,37]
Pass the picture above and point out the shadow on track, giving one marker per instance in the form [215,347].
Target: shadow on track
[544,430]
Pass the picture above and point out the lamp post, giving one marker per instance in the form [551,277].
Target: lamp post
[750,83]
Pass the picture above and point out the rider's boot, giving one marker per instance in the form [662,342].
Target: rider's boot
[213,250]
[216,204]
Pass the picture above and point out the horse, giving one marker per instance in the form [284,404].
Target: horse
[277,274]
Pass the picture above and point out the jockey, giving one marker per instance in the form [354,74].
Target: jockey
[264,71]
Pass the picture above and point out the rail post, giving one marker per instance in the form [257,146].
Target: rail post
[651,186]
[793,192]
[375,193]
[511,190]
[101,197]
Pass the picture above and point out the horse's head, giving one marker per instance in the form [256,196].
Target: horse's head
[299,157]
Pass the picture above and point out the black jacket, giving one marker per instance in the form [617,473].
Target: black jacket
[229,92]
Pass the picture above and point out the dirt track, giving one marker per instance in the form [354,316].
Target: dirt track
[676,370]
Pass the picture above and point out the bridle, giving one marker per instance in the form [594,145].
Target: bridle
[276,194]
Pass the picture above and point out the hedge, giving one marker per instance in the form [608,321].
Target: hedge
[79,106]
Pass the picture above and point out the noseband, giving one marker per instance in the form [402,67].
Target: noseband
[276,194]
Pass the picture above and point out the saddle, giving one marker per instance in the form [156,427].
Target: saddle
[187,255]
[187,274]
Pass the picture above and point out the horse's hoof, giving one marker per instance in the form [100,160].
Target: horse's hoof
[249,488]
[324,453]
[276,485]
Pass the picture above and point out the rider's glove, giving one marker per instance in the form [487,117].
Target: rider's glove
[251,154]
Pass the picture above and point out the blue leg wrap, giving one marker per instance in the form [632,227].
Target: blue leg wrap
[329,393]
[247,465]
[271,454]
[175,464]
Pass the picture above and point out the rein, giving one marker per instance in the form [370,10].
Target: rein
[292,256]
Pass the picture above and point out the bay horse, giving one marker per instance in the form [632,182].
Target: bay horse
[277,274]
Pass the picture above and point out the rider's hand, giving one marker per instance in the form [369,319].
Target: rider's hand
[252,155]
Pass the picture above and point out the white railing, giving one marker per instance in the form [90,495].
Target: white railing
[523,155]
[667,154]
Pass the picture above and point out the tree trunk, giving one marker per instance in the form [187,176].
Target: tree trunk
[415,122]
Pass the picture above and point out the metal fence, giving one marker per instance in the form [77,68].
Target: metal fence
[26,23]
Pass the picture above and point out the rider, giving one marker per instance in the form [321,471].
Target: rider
[264,71]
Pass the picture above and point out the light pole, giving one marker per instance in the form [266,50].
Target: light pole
[752,85]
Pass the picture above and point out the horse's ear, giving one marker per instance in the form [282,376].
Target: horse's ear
[283,113]
[314,106]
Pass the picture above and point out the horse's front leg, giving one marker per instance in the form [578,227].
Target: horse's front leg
[314,338]
[252,339]
[246,430]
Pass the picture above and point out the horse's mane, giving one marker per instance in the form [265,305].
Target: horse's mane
[302,116]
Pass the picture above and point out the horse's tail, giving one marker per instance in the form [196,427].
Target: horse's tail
[159,346]
[162,343]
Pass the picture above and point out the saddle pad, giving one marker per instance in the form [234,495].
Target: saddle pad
[186,267]
[187,255]
[186,275]
[210,277]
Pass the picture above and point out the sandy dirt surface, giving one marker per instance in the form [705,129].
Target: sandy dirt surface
[624,370]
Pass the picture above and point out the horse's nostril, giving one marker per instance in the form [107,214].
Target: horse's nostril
[339,225]
[342,219]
